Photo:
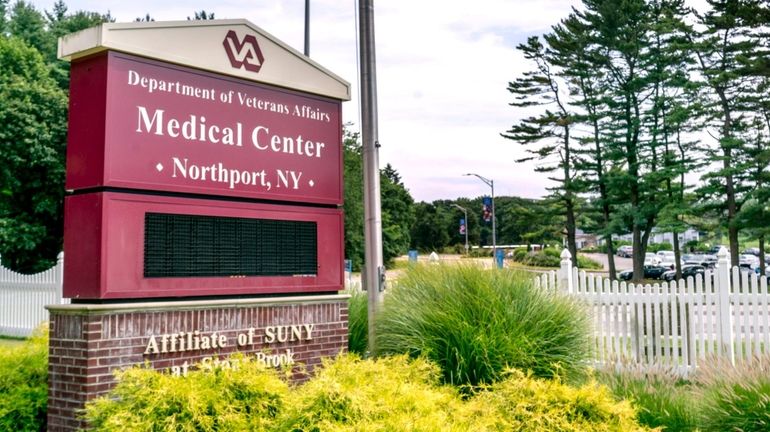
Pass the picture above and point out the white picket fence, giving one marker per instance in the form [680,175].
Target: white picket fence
[724,315]
[23,298]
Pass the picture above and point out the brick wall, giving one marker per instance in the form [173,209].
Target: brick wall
[89,342]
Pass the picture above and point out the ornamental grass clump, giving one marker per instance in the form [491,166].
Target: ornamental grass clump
[527,404]
[385,394]
[476,323]
[246,397]
[660,396]
[24,384]
[735,398]
[358,324]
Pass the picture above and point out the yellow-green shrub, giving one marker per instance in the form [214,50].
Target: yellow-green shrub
[24,384]
[245,398]
[385,394]
[526,404]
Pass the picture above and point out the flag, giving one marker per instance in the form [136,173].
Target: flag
[462,226]
[486,209]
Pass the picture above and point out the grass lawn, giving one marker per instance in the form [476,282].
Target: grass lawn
[6,343]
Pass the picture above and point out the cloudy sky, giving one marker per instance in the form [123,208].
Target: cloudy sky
[442,71]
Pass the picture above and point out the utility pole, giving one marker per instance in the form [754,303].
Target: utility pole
[465,212]
[307,28]
[491,184]
[374,271]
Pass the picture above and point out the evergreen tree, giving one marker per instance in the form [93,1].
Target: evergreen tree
[571,47]
[550,130]
[721,48]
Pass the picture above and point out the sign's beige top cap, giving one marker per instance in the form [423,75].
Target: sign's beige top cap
[231,47]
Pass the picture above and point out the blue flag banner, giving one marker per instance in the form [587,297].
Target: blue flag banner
[462,226]
[486,209]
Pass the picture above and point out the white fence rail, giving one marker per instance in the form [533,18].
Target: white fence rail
[23,298]
[724,314]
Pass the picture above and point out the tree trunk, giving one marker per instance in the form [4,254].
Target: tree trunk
[677,255]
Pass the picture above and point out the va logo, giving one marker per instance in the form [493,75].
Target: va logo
[243,54]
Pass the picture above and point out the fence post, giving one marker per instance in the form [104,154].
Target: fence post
[565,272]
[59,277]
[724,309]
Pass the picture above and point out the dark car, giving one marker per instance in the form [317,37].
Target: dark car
[687,271]
[707,261]
[650,272]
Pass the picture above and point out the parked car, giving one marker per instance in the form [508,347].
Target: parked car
[625,251]
[752,251]
[748,260]
[688,270]
[707,261]
[651,259]
[650,272]
[667,258]
[715,249]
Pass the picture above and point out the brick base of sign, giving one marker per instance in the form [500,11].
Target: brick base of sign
[88,342]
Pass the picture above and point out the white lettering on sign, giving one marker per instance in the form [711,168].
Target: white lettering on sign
[218,173]
[155,85]
[196,128]
[196,341]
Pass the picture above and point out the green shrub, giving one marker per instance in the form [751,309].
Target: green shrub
[246,397]
[522,403]
[358,323]
[24,384]
[661,398]
[520,254]
[476,323]
[587,263]
[386,394]
[735,399]
[655,247]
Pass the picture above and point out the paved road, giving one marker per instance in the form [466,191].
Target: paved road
[620,263]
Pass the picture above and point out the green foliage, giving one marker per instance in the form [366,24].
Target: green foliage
[24,384]
[656,247]
[386,394]
[586,263]
[247,397]
[32,138]
[661,398]
[523,403]
[358,322]
[735,399]
[551,257]
[396,206]
[476,323]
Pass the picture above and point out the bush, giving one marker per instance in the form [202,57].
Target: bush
[587,263]
[656,247]
[246,397]
[521,403]
[476,323]
[386,394]
[358,323]
[661,398]
[24,384]
[735,399]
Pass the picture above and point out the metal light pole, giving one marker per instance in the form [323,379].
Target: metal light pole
[307,28]
[491,184]
[374,271]
[465,211]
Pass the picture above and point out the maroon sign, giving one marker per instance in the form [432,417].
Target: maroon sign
[107,238]
[141,124]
